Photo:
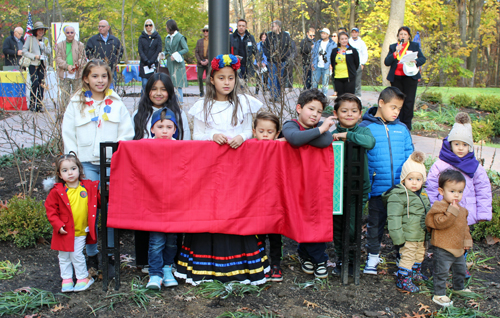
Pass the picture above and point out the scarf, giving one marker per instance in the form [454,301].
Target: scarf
[467,164]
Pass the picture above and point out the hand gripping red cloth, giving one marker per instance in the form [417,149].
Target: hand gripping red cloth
[262,187]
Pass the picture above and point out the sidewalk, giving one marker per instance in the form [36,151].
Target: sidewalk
[20,126]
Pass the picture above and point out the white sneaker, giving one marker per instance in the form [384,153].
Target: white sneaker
[371,264]
[442,300]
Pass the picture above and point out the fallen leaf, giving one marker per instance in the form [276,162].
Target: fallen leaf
[363,228]
[403,291]
[487,267]
[189,298]
[491,240]
[57,308]
[33,316]
[178,297]
[423,307]
[43,241]
[383,272]
[267,287]
[3,205]
[416,315]
[473,303]
[424,107]
[406,316]
[291,267]
[310,304]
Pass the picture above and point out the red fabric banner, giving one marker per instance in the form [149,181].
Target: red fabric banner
[262,187]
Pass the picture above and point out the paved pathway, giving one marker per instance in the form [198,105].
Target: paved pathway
[20,126]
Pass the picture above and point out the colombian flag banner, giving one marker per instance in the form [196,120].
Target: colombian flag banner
[263,187]
[13,91]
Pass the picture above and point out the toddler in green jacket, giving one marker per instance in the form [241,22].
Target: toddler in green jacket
[407,205]
[347,109]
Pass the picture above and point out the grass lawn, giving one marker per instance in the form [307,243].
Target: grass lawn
[447,91]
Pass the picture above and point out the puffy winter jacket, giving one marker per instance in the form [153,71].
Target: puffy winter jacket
[477,193]
[406,215]
[392,149]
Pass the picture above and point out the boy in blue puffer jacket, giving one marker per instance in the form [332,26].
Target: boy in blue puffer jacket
[385,161]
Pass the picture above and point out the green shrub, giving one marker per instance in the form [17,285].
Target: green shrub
[426,126]
[482,130]
[483,229]
[494,118]
[489,103]
[432,97]
[462,100]
[24,221]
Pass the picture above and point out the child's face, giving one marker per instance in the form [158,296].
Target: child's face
[310,114]
[163,129]
[265,130]
[452,191]
[459,148]
[348,114]
[70,173]
[389,111]
[158,94]
[97,79]
[223,81]
[414,181]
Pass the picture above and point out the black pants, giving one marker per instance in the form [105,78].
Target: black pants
[307,76]
[408,86]
[275,247]
[201,70]
[377,216]
[344,85]
[443,261]
[141,247]
[37,74]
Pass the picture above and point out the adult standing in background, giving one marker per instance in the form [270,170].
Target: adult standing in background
[321,62]
[306,46]
[290,64]
[175,48]
[277,48]
[345,63]
[405,76]
[201,54]
[356,42]
[260,64]
[13,47]
[70,60]
[244,47]
[105,46]
[149,48]
[37,49]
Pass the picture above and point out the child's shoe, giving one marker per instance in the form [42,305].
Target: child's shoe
[275,274]
[320,270]
[168,278]
[83,284]
[442,301]
[417,273]
[67,286]
[268,274]
[306,265]
[404,281]
[371,264]
[154,283]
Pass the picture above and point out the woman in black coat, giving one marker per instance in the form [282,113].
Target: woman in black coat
[398,78]
[344,63]
[149,47]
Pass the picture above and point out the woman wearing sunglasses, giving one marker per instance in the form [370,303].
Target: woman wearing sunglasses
[149,48]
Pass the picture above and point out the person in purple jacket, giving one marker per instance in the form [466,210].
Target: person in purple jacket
[457,153]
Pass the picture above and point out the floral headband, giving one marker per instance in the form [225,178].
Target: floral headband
[221,61]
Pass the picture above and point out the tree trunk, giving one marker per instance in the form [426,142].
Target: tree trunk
[303,19]
[462,21]
[242,9]
[396,20]
[338,23]
[123,32]
[476,9]
[236,11]
[352,15]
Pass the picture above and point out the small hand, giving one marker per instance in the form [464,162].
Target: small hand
[455,204]
[340,136]
[220,139]
[399,47]
[62,231]
[362,66]
[172,58]
[37,57]
[236,142]
[327,124]
[19,52]
[282,139]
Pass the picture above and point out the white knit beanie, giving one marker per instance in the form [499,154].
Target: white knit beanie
[462,130]
[414,164]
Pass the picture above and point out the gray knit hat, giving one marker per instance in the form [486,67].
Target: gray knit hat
[462,130]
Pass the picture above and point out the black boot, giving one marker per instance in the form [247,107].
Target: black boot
[93,262]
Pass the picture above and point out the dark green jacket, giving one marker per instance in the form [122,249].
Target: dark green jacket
[406,222]
[360,136]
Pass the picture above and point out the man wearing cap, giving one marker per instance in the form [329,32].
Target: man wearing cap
[356,42]
[320,65]
[277,48]
[104,46]
[244,47]
[13,47]
[306,46]
[70,60]
[201,53]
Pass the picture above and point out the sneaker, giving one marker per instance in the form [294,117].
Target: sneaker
[67,286]
[275,274]
[320,270]
[83,284]
[442,301]
[268,274]
[371,264]
[145,269]
[168,278]
[306,265]
[154,283]
[93,262]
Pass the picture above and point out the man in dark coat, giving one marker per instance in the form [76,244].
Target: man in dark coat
[13,47]
[244,47]
[306,46]
[104,46]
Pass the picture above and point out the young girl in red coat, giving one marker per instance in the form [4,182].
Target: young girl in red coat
[71,209]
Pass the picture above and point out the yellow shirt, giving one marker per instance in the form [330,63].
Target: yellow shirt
[341,67]
[78,200]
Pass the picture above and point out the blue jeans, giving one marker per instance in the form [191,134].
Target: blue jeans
[179,95]
[313,251]
[321,75]
[162,250]
[144,82]
[93,173]
[277,72]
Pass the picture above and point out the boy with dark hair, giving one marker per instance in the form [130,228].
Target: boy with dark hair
[385,161]
[348,110]
[308,130]
[450,235]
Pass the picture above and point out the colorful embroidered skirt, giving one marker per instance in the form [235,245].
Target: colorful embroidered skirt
[222,257]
